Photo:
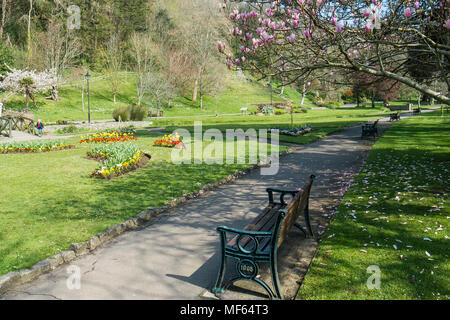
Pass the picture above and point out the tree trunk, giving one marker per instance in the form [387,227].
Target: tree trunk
[33,99]
[418,101]
[201,101]
[194,94]
[54,93]
[358,100]
[29,34]
[4,5]
[27,93]
[82,99]
[292,118]
[303,94]
[373,100]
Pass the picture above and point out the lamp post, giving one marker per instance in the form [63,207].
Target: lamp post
[87,76]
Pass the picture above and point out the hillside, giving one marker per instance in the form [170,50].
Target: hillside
[235,94]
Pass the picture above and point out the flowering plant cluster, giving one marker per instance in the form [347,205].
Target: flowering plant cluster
[169,141]
[295,132]
[116,159]
[290,39]
[106,137]
[33,146]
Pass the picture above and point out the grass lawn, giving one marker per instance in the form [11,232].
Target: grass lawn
[323,121]
[49,201]
[396,217]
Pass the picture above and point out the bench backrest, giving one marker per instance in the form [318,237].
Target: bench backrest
[295,208]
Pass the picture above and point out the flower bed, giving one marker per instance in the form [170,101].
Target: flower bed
[117,159]
[105,137]
[168,141]
[296,132]
[34,146]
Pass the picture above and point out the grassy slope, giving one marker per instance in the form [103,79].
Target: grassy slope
[400,198]
[51,202]
[70,107]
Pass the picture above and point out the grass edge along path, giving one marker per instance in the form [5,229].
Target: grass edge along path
[392,224]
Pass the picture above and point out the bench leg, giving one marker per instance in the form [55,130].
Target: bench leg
[275,278]
[218,288]
[307,220]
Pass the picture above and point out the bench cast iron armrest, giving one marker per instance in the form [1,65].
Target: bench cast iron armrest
[270,191]
[242,232]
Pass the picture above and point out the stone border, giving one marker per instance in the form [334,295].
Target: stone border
[16,278]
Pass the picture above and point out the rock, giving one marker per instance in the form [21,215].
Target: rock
[93,243]
[8,280]
[68,256]
[79,248]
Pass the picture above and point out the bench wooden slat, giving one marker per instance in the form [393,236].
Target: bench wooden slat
[258,224]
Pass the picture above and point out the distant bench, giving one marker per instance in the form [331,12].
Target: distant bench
[370,129]
[395,116]
[405,107]
[259,241]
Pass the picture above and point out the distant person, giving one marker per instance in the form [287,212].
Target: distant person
[40,126]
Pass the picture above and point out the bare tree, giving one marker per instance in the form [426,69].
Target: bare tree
[143,53]
[114,61]
[5,12]
[57,49]
[201,34]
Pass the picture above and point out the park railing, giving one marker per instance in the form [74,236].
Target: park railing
[10,123]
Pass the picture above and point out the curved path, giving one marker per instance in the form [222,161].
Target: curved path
[175,255]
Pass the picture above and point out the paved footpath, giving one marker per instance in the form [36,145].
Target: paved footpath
[175,255]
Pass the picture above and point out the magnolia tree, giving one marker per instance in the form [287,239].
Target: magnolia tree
[28,82]
[290,39]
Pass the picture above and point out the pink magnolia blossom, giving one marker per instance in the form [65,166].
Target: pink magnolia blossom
[220,46]
[292,38]
[408,12]
[447,23]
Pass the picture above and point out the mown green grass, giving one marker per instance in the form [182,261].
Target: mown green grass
[48,200]
[323,122]
[397,211]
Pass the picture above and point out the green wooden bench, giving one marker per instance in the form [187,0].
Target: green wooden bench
[395,116]
[259,241]
[370,129]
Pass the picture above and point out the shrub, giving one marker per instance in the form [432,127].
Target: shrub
[347,94]
[69,129]
[137,113]
[267,110]
[123,113]
[332,104]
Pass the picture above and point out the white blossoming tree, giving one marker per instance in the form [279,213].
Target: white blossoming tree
[28,82]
